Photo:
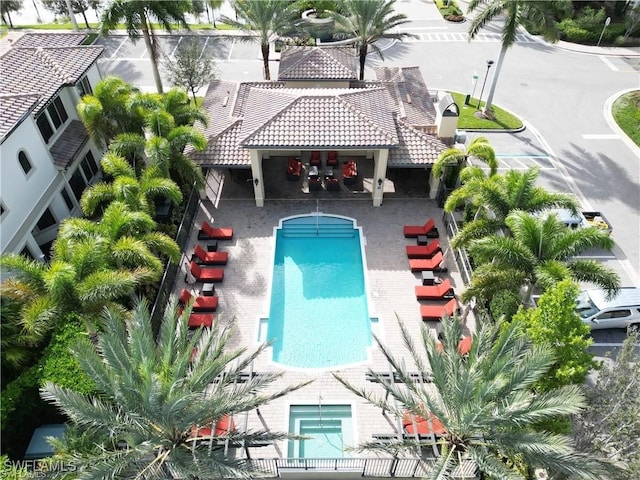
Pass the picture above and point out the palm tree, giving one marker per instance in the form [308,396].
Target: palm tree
[453,160]
[492,199]
[138,15]
[155,391]
[136,193]
[540,252]
[15,344]
[110,110]
[370,21]
[485,401]
[517,13]
[267,18]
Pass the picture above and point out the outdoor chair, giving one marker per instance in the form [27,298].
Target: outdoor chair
[436,312]
[332,184]
[433,263]
[440,291]
[210,258]
[200,304]
[464,346]
[332,159]
[206,274]
[197,320]
[428,229]
[315,159]
[207,232]
[424,251]
[315,184]
[294,167]
[349,172]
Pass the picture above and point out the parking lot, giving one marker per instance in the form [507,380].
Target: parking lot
[121,47]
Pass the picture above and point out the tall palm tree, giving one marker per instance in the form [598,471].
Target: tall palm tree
[516,13]
[153,394]
[484,401]
[370,21]
[137,194]
[493,198]
[139,16]
[267,18]
[540,252]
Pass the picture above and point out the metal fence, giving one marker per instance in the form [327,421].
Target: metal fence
[171,270]
[460,255]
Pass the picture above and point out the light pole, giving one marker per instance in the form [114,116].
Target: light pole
[489,63]
[474,82]
[606,24]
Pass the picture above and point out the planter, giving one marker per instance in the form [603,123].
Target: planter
[321,28]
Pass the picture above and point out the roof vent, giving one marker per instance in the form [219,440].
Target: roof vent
[226,99]
[408,98]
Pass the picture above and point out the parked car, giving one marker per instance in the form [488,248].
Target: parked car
[621,311]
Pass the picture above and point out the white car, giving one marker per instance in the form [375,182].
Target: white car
[622,311]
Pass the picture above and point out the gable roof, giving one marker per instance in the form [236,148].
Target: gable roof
[416,148]
[13,109]
[317,63]
[49,40]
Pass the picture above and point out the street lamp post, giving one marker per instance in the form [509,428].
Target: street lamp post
[489,63]
[606,24]
[474,82]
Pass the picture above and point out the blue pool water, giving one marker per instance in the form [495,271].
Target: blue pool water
[328,428]
[318,316]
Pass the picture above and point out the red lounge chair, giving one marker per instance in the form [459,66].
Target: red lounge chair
[224,426]
[424,251]
[420,264]
[349,172]
[416,424]
[210,258]
[202,304]
[208,232]
[464,346]
[197,320]
[315,159]
[206,274]
[294,167]
[429,228]
[436,292]
[436,312]
[332,159]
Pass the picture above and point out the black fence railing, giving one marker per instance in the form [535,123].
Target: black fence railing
[171,270]
[460,255]
[366,467]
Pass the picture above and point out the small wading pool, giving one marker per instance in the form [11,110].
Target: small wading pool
[319,316]
[329,428]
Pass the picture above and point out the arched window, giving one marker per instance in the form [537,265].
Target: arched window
[24,162]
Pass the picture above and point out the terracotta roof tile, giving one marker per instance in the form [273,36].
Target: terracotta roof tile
[44,70]
[224,150]
[13,108]
[317,63]
[48,40]
[69,144]
[416,148]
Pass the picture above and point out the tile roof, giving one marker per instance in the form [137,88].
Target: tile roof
[243,94]
[219,102]
[69,144]
[322,118]
[44,70]
[416,148]
[48,40]
[410,93]
[13,108]
[224,150]
[317,63]
[261,106]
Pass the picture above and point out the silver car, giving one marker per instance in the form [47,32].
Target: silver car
[621,311]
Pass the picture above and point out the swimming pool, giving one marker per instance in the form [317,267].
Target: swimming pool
[328,427]
[319,315]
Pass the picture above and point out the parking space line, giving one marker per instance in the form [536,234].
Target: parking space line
[608,63]
[204,47]
[173,52]
[119,47]
[233,44]
[143,53]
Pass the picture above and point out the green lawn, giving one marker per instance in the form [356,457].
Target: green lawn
[626,112]
[504,120]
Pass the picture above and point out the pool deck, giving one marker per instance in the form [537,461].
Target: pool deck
[244,297]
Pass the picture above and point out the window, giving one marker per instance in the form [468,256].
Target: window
[84,87]
[24,162]
[615,314]
[77,184]
[67,199]
[45,127]
[51,119]
[89,166]
[46,220]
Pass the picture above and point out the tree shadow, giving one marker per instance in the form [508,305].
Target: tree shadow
[600,175]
